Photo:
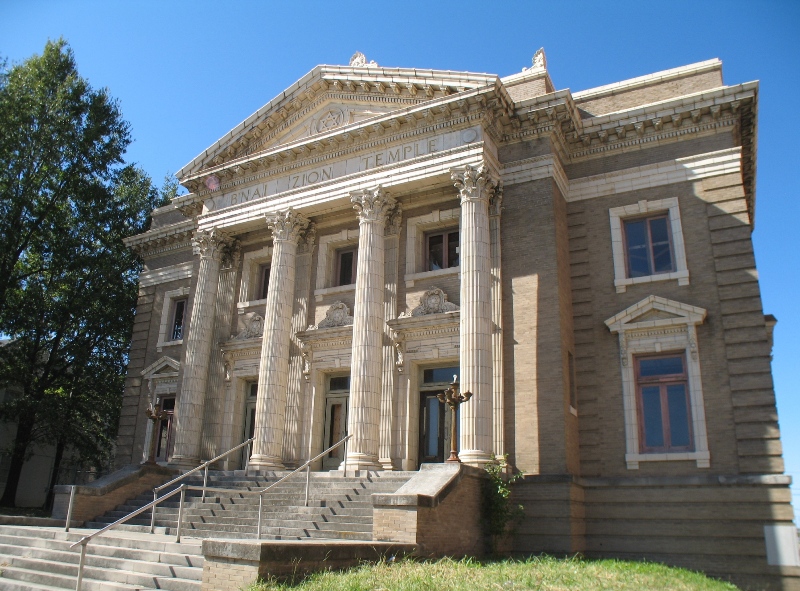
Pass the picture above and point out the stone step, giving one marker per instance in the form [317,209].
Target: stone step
[111,576]
[37,558]
[152,565]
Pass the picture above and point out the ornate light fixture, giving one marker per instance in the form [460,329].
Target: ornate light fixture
[452,398]
[155,415]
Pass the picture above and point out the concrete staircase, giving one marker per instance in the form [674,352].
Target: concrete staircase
[338,507]
[128,558]
[40,558]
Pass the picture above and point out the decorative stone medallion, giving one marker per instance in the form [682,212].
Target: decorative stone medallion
[337,315]
[433,301]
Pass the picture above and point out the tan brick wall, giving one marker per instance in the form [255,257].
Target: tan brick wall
[602,426]
[228,574]
[652,93]
[451,528]
[537,328]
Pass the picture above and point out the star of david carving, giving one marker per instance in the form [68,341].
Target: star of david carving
[328,121]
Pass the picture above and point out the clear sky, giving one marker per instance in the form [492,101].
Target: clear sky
[186,72]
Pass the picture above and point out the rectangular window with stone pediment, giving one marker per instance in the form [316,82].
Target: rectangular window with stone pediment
[662,396]
[647,243]
[662,389]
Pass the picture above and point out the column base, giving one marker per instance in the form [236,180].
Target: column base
[474,457]
[361,461]
[183,462]
[387,464]
[261,462]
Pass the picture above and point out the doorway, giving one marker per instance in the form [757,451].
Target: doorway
[165,431]
[249,420]
[336,407]
[435,418]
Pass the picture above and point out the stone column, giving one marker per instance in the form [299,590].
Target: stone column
[294,450]
[212,444]
[189,414]
[475,188]
[273,370]
[373,207]
[498,381]
[387,427]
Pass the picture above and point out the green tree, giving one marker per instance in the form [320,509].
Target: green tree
[68,284]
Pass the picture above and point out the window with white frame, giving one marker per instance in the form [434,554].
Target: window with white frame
[255,279]
[432,244]
[662,389]
[337,261]
[174,316]
[647,243]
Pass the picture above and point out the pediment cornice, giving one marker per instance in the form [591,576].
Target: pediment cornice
[401,86]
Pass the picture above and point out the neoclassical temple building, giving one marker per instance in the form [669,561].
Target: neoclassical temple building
[582,261]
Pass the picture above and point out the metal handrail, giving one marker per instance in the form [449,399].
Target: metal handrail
[204,466]
[84,541]
[307,466]
[260,493]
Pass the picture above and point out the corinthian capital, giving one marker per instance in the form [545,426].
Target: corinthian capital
[287,225]
[474,183]
[210,243]
[372,205]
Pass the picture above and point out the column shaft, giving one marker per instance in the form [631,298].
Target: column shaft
[273,371]
[368,331]
[475,188]
[189,415]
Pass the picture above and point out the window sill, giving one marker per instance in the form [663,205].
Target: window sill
[703,458]
[681,276]
[161,344]
[321,293]
[242,306]
[411,278]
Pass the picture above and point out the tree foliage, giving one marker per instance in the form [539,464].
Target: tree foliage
[67,281]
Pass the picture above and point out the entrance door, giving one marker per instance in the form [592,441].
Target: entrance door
[165,431]
[336,403]
[249,421]
[435,418]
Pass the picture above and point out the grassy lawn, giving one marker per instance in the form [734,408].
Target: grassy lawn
[540,574]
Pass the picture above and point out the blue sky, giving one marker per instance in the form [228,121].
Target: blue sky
[186,72]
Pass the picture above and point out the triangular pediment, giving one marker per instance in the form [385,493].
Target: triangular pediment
[166,366]
[327,98]
[655,311]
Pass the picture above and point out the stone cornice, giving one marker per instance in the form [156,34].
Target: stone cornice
[164,239]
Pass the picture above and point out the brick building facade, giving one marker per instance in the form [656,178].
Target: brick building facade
[582,261]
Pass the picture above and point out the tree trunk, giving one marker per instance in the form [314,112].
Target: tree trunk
[60,445]
[21,442]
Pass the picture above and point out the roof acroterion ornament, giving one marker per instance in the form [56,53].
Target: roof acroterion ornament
[359,60]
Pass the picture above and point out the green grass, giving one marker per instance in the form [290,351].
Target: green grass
[539,574]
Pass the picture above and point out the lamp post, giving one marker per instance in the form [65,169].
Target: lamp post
[452,398]
[155,415]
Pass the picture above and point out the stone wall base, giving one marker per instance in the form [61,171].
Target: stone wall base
[713,524]
[234,564]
